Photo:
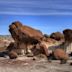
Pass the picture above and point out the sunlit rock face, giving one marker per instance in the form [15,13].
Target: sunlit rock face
[24,35]
[61,55]
[68,40]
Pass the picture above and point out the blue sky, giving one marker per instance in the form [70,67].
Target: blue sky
[46,15]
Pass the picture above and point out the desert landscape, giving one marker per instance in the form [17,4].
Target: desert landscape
[29,50]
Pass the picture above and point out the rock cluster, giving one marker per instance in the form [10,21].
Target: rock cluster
[26,38]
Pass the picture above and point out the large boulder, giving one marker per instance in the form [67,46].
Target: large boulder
[57,36]
[12,55]
[24,35]
[68,35]
[60,55]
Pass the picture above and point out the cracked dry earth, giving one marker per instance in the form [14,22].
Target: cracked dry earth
[30,65]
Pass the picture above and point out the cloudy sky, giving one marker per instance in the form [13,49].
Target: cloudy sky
[35,7]
[47,15]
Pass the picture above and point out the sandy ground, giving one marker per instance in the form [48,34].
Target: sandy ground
[24,64]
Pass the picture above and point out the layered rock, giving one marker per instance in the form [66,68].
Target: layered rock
[24,36]
[24,33]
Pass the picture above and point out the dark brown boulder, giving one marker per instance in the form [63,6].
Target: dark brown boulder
[14,47]
[71,64]
[68,35]
[11,46]
[22,32]
[61,55]
[57,36]
[24,35]
[12,55]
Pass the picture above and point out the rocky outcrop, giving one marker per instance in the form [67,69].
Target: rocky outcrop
[23,36]
[24,33]
[68,35]
[57,36]
[68,40]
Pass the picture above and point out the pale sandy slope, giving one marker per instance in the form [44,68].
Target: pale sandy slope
[28,65]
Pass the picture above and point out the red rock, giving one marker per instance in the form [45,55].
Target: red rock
[24,35]
[60,55]
[12,55]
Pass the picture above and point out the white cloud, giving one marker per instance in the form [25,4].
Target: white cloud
[36,7]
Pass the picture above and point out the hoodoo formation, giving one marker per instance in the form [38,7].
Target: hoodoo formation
[28,40]
[23,37]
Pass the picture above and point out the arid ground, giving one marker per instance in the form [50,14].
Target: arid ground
[24,64]
[28,64]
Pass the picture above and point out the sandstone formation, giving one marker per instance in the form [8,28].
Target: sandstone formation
[58,54]
[23,36]
[26,38]
[24,33]
[57,36]
[68,40]
[68,35]
[61,55]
